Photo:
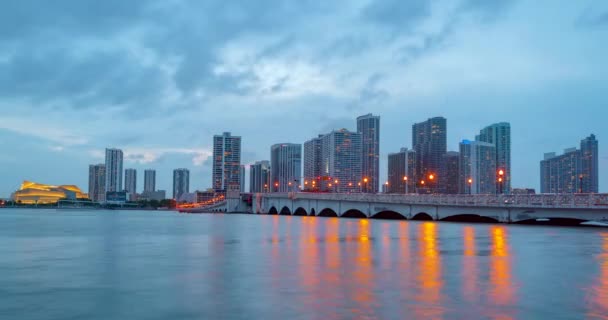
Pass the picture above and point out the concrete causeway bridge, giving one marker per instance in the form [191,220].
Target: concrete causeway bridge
[565,209]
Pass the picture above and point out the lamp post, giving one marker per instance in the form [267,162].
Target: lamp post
[365,180]
[470,181]
[405,182]
[580,183]
[501,174]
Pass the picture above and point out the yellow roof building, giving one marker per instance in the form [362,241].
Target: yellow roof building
[37,193]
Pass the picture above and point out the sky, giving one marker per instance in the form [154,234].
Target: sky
[159,78]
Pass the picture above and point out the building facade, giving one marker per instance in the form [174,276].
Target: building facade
[149,180]
[429,141]
[312,162]
[477,168]
[181,182]
[226,162]
[575,171]
[401,178]
[589,165]
[113,179]
[451,173]
[131,181]
[242,178]
[341,162]
[286,167]
[499,134]
[259,177]
[97,182]
[369,127]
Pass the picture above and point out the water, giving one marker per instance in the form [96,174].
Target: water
[161,265]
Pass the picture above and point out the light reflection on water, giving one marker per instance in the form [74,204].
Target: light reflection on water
[98,265]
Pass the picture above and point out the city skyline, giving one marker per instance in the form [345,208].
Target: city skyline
[275,78]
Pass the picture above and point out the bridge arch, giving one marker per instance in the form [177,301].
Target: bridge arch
[422,216]
[273,210]
[566,222]
[285,211]
[312,212]
[467,217]
[327,212]
[389,215]
[300,212]
[354,213]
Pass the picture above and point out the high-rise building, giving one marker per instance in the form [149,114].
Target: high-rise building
[369,127]
[226,162]
[401,177]
[181,182]
[589,165]
[259,177]
[242,178]
[451,172]
[429,141]
[575,171]
[149,180]
[312,161]
[499,134]
[286,167]
[131,181]
[341,162]
[113,170]
[477,167]
[97,182]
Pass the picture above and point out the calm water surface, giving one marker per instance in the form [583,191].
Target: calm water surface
[161,265]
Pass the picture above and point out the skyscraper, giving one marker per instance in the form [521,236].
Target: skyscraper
[312,161]
[113,170]
[286,167]
[499,134]
[429,141]
[226,162]
[131,181]
[477,167]
[369,127]
[149,180]
[181,182]
[451,172]
[97,182]
[259,177]
[575,171]
[242,178]
[341,161]
[401,177]
[589,165]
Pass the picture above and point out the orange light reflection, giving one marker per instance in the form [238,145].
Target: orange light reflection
[502,289]
[429,274]
[599,291]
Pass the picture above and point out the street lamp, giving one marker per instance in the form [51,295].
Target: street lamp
[365,180]
[501,173]
[405,182]
[470,181]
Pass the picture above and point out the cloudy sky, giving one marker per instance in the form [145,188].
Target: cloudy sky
[159,78]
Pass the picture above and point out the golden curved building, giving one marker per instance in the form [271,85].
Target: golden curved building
[37,193]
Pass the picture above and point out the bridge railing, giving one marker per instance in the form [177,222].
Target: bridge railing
[597,200]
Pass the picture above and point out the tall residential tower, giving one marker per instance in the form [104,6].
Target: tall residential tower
[97,182]
[286,167]
[429,141]
[369,127]
[181,182]
[226,162]
[113,170]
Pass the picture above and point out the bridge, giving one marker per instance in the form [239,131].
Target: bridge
[562,209]
[569,209]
